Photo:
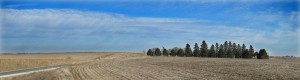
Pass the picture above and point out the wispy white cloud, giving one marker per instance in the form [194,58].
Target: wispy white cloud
[80,22]
[116,29]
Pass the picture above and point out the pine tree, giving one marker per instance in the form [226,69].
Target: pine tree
[245,53]
[229,53]
[173,52]
[262,54]
[212,51]
[221,52]
[196,50]
[225,46]
[230,45]
[150,53]
[217,49]
[165,52]
[188,51]
[239,51]
[251,52]
[226,50]
[204,49]
[243,47]
[234,50]
[180,53]
[157,52]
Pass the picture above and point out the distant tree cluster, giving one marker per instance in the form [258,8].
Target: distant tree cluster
[226,50]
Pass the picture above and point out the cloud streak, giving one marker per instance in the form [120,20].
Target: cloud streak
[38,30]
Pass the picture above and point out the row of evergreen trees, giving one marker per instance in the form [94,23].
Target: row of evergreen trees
[226,50]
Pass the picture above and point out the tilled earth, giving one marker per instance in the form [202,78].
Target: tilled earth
[165,68]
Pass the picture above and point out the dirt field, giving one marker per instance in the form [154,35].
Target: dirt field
[139,67]
[165,68]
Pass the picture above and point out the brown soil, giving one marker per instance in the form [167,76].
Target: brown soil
[165,68]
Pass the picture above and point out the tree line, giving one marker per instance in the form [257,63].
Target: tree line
[226,50]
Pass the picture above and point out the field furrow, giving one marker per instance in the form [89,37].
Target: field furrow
[166,68]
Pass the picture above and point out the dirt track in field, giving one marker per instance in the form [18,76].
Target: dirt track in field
[116,67]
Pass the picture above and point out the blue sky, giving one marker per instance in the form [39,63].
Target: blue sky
[100,25]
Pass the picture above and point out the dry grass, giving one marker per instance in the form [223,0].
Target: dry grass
[77,56]
[10,62]
[15,64]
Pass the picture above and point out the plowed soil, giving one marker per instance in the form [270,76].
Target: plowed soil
[166,68]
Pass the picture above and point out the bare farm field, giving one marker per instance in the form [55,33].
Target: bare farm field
[135,66]
[165,68]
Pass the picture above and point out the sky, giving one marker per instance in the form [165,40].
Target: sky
[136,26]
